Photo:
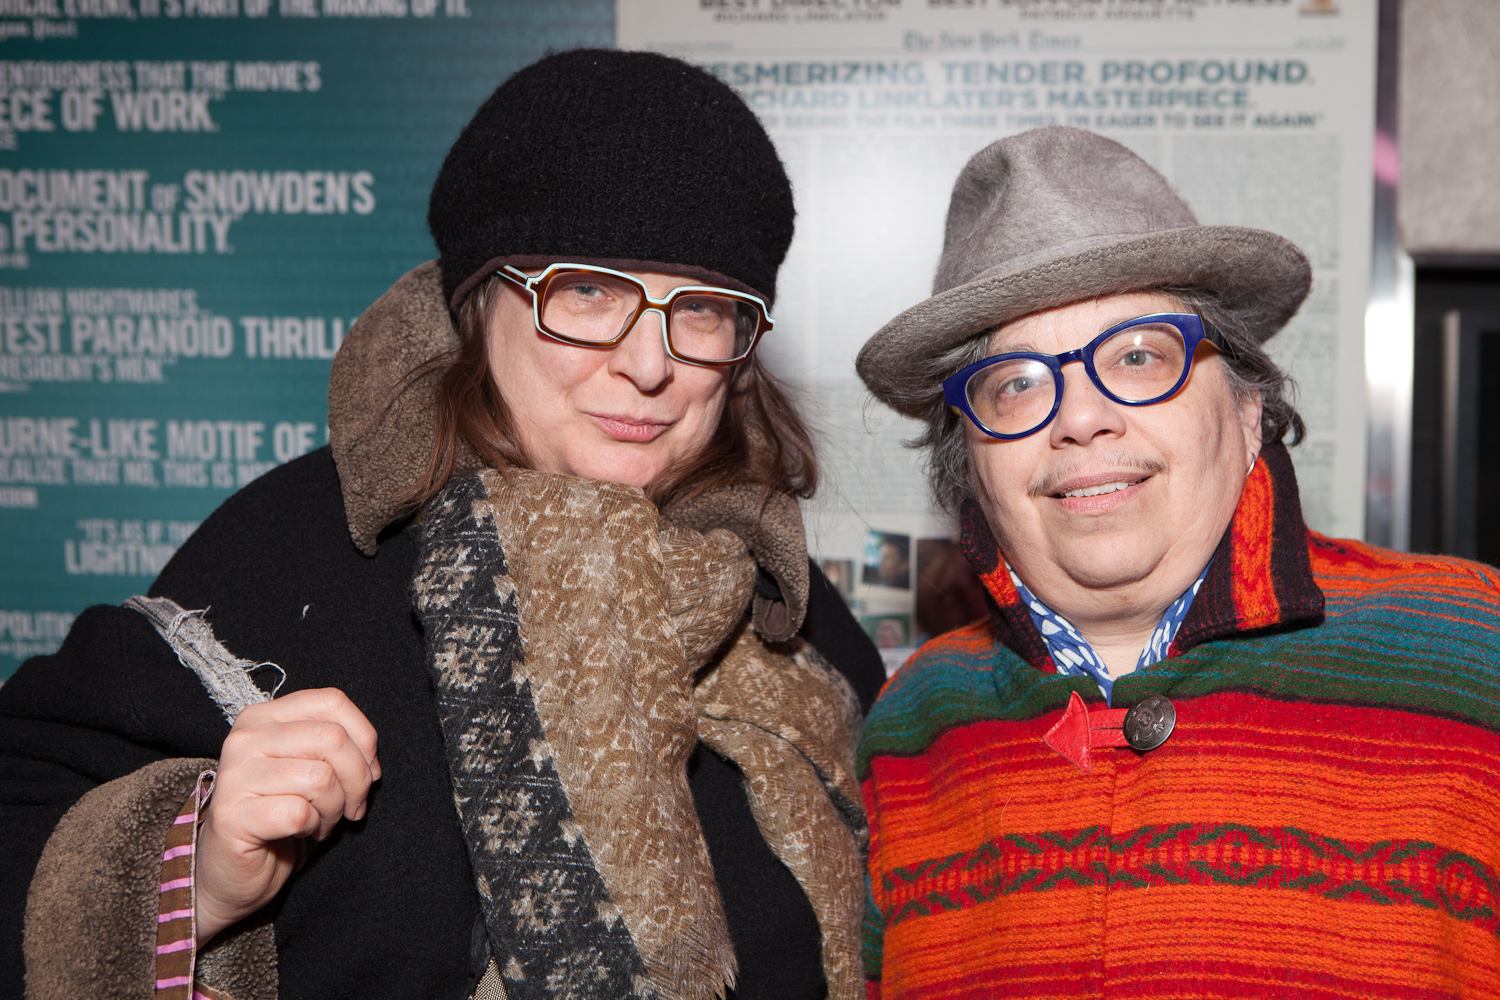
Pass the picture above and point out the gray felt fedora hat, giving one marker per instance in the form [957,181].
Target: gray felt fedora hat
[1059,215]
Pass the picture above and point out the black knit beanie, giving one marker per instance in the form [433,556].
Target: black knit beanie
[630,160]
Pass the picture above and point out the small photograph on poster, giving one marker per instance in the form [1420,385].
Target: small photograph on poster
[887,560]
[949,594]
[891,634]
[887,631]
[840,573]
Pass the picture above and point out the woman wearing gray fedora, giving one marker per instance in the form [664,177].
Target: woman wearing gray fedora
[1194,749]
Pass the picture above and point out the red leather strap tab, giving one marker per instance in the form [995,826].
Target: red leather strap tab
[1070,735]
[1107,727]
[1079,731]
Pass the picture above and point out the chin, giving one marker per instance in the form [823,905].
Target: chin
[1104,564]
[627,469]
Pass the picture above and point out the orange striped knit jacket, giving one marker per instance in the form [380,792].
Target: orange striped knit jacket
[1324,822]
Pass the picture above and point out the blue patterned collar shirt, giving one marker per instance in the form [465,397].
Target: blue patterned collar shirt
[1073,655]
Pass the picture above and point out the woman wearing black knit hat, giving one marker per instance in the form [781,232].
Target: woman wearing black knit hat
[559,706]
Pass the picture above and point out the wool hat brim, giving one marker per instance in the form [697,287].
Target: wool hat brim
[1258,275]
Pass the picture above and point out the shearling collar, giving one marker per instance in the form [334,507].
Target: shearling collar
[1260,578]
[380,423]
[380,427]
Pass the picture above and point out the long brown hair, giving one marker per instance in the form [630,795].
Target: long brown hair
[760,439]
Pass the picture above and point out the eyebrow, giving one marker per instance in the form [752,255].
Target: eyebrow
[1026,347]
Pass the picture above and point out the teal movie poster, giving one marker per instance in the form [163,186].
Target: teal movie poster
[197,198]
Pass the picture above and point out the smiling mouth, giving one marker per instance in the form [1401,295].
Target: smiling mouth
[1110,473]
[1099,490]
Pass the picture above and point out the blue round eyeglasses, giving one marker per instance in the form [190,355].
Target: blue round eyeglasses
[1136,363]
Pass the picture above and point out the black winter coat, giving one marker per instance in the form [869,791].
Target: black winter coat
[387,906]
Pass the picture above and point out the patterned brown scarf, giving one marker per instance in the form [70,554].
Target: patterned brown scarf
[580,646]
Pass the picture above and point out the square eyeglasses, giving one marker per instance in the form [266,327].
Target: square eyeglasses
[1135,363]
[584,305]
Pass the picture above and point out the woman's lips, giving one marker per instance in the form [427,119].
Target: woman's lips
[628,429]
[1113,492]
[1112,486]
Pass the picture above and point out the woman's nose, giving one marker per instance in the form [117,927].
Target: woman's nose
[642,356]
[1084,413]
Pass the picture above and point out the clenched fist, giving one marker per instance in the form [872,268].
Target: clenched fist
[291,767]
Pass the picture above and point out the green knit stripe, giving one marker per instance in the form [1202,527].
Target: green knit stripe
[1406,651]
[1388,873]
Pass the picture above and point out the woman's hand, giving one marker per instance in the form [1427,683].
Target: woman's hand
[290,768]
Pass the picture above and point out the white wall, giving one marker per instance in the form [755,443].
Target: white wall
[1449,127]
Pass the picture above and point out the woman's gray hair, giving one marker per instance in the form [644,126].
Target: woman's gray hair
[1247,368]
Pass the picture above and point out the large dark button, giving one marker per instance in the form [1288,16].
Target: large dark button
[1148,724]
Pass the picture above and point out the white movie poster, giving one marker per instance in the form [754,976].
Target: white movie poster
[1260,113]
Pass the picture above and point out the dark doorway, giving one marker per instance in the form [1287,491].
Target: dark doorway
[1455,462]
[1487,472]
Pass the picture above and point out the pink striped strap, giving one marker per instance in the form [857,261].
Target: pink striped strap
[176,929]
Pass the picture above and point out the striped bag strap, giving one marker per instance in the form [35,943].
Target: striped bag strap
[231,684]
